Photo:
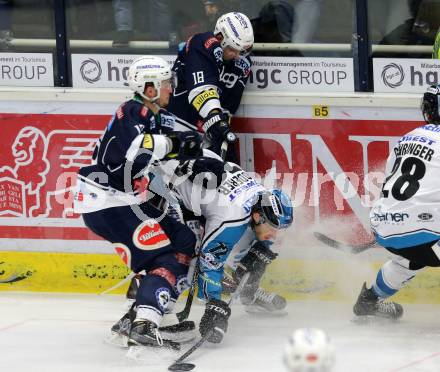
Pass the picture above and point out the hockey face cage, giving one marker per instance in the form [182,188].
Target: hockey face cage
[430,105]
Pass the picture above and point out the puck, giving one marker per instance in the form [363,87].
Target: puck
[181,367]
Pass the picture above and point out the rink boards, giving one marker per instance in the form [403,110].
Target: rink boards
[294,279]
[327,152]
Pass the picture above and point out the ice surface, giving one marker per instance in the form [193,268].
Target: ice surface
[46,332]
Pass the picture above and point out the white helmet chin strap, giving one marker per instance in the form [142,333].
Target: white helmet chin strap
[153,99]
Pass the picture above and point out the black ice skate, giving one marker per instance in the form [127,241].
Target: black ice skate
[260,301]
[122,326]
[368,303]
[146,333]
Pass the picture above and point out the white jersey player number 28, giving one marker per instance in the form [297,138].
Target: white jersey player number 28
[404,180]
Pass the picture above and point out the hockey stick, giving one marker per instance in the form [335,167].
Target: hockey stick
[349,248]
[178,365]
[117,285]
[183,315]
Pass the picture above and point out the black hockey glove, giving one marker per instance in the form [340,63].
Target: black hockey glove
[215,320]
[185,145]
[203,165]
[217,128]
[255,262]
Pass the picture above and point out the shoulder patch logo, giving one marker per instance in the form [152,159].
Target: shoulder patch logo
[210,42]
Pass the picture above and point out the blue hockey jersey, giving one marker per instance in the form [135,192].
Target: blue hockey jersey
[205,81]
[133,136]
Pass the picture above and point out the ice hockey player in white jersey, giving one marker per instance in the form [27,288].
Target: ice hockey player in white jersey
[231,202]
[406,219]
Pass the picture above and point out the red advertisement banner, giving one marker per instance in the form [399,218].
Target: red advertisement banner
[332,168]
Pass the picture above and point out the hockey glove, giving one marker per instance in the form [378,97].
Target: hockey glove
[203,165]
[185,145]
[217,128]
[255,262]
[215,320]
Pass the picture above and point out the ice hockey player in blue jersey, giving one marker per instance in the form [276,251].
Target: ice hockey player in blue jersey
[405,220]
[109,196]
[232,203]
[212,70]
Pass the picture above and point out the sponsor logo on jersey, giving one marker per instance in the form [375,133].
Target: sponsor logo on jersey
[432,128]
[388,218]
[167,121]
[123,252]
[218,54]
[149,235]
[163,297]
[144,112]
[210,42]
[425,217]
[148,142]
[206,95]
[249,203]
[229,79]
[208,261]
[421,139]
[244,65]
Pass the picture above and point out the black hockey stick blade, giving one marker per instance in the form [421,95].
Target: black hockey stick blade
[176,366]
[355,249]
[181,367]
[178,363]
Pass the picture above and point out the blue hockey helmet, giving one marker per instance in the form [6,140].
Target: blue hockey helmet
[275,208]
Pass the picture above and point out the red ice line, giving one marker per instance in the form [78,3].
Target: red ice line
[14,325]
[417,361]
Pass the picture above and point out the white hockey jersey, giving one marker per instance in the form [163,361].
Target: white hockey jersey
[407,214]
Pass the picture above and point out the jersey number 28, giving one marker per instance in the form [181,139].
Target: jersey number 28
[407,184]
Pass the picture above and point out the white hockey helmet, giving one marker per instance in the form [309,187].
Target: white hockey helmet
[148,69]
[309,350]
[236,30]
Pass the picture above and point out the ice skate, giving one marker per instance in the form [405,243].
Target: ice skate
[146,333]
[258,301]
[369,304]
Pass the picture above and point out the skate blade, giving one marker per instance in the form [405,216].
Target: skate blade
[262,312]
[115,339]
[373,320]
[152,355]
